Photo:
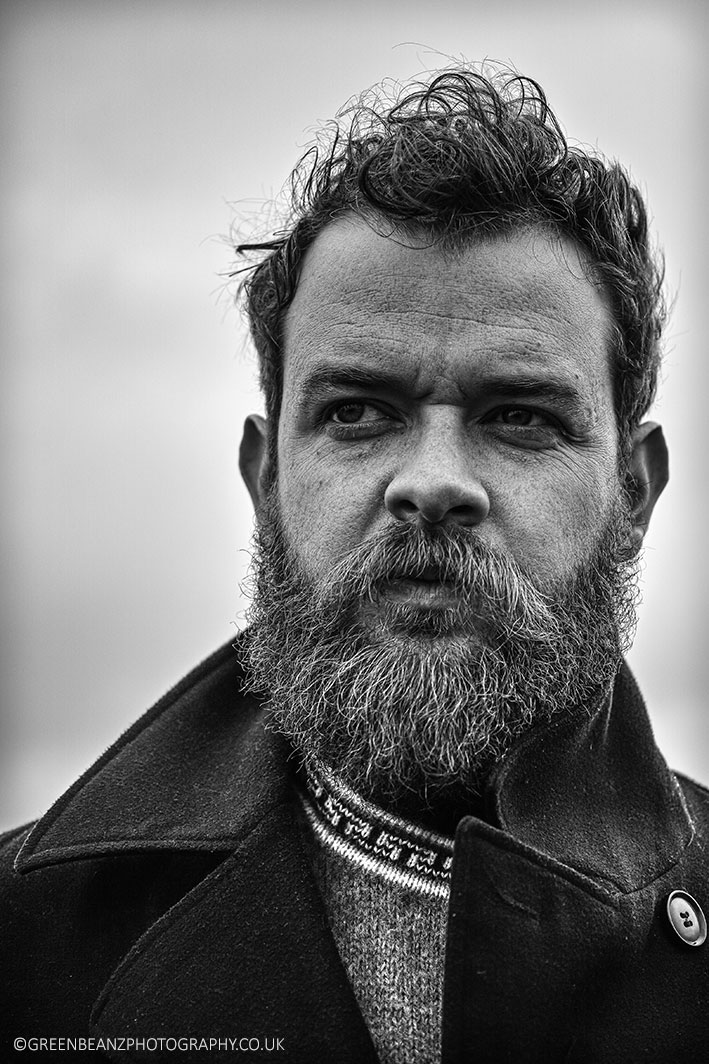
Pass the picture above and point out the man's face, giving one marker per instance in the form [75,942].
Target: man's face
[443,554]
[467,388]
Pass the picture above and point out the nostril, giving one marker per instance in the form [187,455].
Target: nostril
[402,509]
[436,499]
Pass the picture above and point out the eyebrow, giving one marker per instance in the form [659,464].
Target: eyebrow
[551,388]
[322,380]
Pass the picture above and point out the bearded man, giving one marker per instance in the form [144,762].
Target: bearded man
[417,813]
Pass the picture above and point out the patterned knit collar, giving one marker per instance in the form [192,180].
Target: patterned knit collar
[373,838]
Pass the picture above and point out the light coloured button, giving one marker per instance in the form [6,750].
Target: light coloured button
[686,917]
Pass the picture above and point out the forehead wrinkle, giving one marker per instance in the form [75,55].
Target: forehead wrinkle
[530,345]
[525,346]
[555,324]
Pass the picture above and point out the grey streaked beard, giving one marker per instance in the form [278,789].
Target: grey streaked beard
[396,710]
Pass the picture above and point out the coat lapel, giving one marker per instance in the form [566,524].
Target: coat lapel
[527,938]
[195,773]
[247,954]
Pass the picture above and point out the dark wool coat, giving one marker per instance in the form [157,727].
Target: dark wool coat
[167,894]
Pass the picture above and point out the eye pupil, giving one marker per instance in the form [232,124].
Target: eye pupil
[517,416]
[350,413]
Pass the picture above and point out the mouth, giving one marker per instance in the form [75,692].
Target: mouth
[424,605]
[428,589]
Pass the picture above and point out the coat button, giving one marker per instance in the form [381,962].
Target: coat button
[686,917]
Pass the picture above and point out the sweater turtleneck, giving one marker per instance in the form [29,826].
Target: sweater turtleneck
[384,882]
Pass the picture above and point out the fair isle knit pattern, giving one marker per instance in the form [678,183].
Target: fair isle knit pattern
[385,885]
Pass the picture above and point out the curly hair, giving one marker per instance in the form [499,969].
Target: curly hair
[461,155]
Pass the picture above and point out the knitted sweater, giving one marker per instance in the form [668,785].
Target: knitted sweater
[385,885]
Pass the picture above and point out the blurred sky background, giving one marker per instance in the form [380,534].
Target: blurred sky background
[133,133]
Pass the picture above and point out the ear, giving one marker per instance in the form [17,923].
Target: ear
[253,458]
[648,474]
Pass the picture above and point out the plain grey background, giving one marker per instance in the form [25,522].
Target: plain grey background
[133,134]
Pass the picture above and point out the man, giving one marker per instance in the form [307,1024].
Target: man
[416,814]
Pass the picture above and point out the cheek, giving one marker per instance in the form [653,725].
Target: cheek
[554,525]
[325,514]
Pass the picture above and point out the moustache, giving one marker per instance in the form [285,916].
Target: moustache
[489,585]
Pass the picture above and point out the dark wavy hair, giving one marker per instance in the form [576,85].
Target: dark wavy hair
[468,153]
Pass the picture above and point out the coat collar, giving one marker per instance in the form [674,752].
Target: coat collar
[199,772]
[593,791]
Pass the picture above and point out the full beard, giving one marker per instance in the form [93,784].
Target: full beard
[403,701]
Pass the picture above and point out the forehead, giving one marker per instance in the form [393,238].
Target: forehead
[519,303]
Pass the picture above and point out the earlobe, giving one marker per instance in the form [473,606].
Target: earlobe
[648,474]
[253,457]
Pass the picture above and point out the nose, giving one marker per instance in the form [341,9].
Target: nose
[438,482]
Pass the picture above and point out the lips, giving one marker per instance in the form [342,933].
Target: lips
[426,589]
[429,574]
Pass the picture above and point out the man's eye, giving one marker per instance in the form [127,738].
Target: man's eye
[522,417]
[354,413]
[357,419]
